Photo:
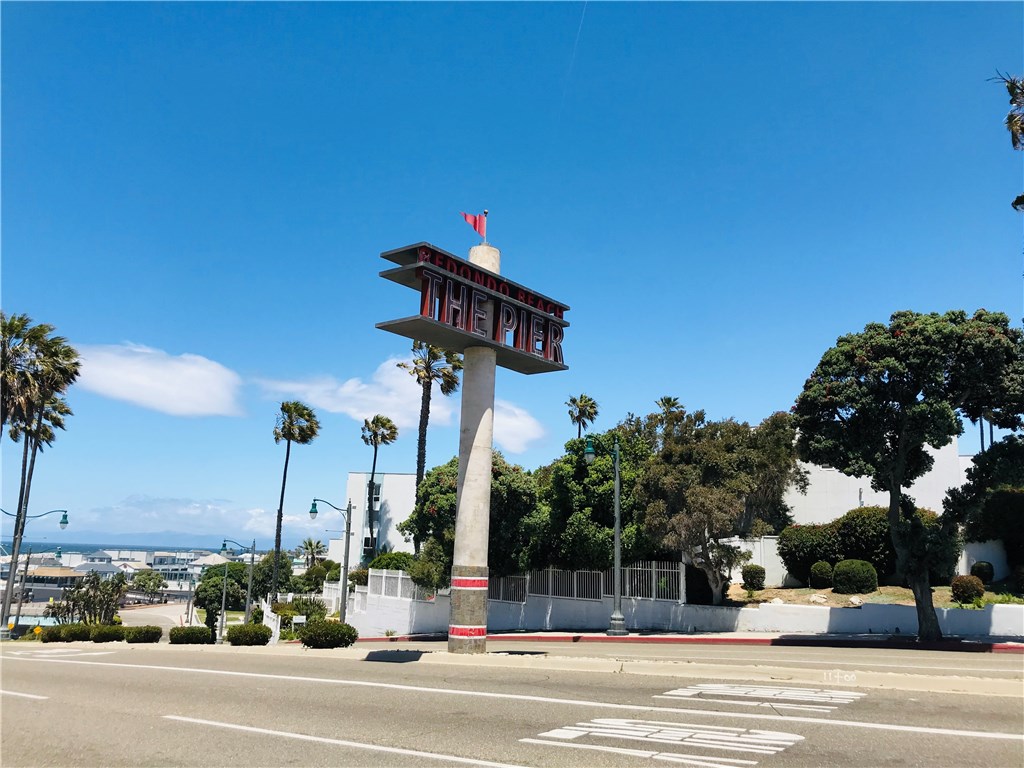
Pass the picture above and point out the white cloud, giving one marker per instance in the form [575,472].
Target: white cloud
[181,385]
[514,427]
[392,392]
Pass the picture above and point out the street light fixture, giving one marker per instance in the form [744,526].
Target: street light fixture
[617,624]
[343,581]
[248,589]
[15,547]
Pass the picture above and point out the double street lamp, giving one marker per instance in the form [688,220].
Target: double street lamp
[343,581]
[224,591]
[16,546]
[617,624]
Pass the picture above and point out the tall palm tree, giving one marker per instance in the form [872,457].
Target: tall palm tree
[378,431]
[296,423]
[668,404]
[37,368]
[313,550]
[1015,120]
[430,364]
[582,412]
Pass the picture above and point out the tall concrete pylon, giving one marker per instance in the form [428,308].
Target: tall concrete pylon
[467,623]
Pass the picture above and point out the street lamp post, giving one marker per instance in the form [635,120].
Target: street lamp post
[343,581]
[5,612]
[252,556]
[617,624]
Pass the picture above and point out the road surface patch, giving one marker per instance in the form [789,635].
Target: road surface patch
[773,696]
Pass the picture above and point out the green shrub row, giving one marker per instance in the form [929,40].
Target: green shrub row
[100,633]
[328,634]
[248,634]
[190,636]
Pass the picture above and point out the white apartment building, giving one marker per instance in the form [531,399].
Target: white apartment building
[393,502]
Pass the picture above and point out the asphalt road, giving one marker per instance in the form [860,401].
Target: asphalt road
[89,705]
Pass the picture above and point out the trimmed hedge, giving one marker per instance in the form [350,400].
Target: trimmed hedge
[190,636]
[107,633]
[72,632]
[249,634]
[801,546]
[328,634]
[52,634]
[753,577]
[966,589]
[854,577]
[145,634]
[984,571]
[821,575]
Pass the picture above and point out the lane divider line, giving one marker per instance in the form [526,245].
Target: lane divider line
[24,695]
[341,742]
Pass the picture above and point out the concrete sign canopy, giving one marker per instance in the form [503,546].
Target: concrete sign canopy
[463,305]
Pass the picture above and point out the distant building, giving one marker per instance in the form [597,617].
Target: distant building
[393,501]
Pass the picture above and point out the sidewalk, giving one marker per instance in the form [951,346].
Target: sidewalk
[893,642]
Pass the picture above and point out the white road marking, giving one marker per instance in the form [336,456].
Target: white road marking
[543,699]
[47,653]
[674,757]
[342,742]
[23,695]
[765,704]
[819,695]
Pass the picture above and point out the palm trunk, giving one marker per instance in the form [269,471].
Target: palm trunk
[369,501]
[280,518]
[579,430]
[19,521]
[421,443]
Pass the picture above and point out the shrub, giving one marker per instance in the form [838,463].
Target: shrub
[392,561]
[312,608]
[360,577]
[753,577]
[984,571]
[249,634]
[72,632]
[284,609]
[107,633]
[146,634]
[864,535]
[190,636]
[853,577]
[801,546]
[821,575]
[256,615]
[328,634]
[966,589]
[52,634]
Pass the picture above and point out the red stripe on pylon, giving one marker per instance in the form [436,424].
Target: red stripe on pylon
[455,630]
[466,582]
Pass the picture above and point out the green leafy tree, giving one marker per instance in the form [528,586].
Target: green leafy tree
[582,412]
[775,469]
[36,369]
[263,573]
[92,600]
[878,398]
[296,423]
[432,522]
[430,364]
[991,503]
[149,582]
[378,431]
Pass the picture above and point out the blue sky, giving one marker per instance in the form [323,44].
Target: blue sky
[196,195]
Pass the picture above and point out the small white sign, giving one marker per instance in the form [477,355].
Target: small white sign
[298,619]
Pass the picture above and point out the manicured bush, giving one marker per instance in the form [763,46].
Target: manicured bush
[753,577]
[360,577]
[821,575]
[329,634]
[801,546]
[966,589]
[52,634]
[312,608]
[256,615]
[392,561]
[984,571]
[190,636]
[107,633]
[249,634]
[145,634]
[75,632]
[854,577]
[864,535]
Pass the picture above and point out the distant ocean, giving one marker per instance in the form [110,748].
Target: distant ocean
[70,546]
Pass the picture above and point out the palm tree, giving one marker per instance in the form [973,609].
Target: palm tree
[668,404]
[313,550]
[582,412]
[430,364]
[36,369]
[296,423]
[1015,120]
[378,431]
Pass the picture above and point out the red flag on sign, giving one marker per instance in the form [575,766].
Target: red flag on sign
[478,222]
